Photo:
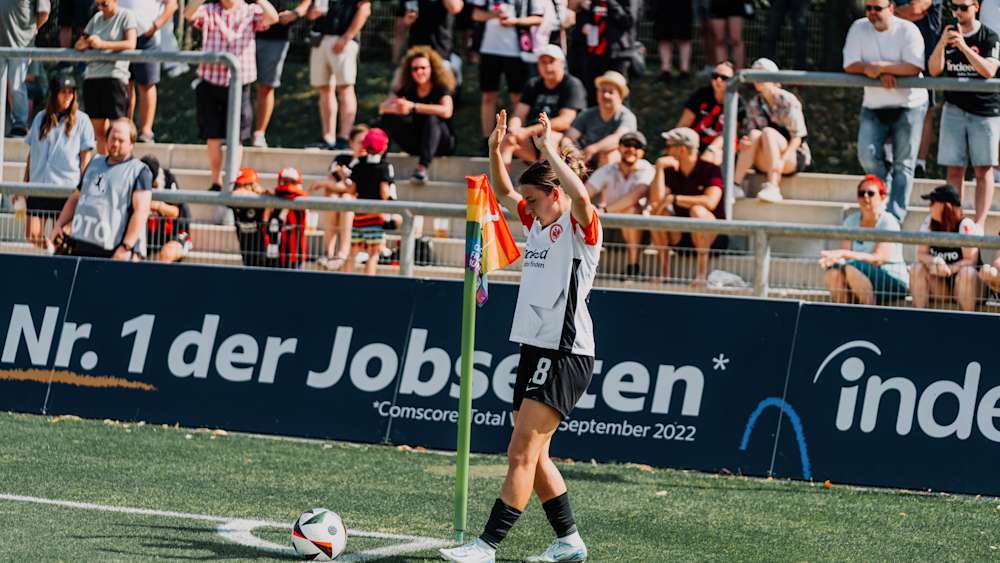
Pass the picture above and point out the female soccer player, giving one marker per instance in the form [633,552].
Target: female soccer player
[553,326]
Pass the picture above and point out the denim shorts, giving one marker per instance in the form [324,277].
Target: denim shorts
[967,138]
[887,287]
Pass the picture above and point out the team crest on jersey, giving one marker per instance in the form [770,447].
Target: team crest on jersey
[555,231]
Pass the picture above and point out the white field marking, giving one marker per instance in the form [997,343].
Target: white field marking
[240,530]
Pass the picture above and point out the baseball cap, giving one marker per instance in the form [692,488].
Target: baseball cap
[60,80]
[682,136]
[944,194]
[247,176]
[764,64]
[376,141]
[616,79]
[633,136]
[289,183]
[553,51]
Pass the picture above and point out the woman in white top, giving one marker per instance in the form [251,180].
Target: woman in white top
[61,143]
[867,272]
[553,326]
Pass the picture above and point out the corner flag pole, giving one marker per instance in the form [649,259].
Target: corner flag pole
[465,404]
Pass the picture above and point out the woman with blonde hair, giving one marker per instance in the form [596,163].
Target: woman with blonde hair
[61,143]
[417,115]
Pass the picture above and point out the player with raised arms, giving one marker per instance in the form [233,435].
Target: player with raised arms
[555,331]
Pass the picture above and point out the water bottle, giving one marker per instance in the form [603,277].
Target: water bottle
[274,239]
[20,208]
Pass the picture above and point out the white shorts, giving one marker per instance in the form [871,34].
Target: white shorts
[327,68]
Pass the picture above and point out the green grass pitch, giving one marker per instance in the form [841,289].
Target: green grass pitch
[172,494]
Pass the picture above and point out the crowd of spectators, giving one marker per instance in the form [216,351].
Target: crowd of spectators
[570,59]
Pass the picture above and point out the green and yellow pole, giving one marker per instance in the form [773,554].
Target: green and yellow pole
[465,405]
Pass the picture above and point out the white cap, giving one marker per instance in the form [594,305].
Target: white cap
[764,64]
[553,51]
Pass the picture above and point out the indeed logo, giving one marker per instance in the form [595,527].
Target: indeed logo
[913,401]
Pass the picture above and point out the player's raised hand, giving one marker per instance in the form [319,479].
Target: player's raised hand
[546,136]
[499,132]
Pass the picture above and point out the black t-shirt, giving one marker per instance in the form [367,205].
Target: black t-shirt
[368,176]
[433,97]
[569,93]
[433,26]
[338,17]
[279,31]
[956,65]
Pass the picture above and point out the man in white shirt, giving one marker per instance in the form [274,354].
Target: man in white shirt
[882,46]
[151,15]
[622,187]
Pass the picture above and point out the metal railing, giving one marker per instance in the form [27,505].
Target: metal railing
[60,55]
[760,234]
[831,79]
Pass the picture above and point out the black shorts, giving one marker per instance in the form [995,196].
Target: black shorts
[105,98]
[75,14]
[44,206]
[728,8]
[211,103]
[492,66]
[552,377]
[674,21]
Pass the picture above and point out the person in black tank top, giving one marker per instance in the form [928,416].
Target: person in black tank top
[941,274]
[248,220]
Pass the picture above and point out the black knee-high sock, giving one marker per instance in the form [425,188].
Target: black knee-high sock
[560,515]
[502,519]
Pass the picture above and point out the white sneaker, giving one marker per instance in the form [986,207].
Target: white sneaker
[770,193]
[562,550]
[258,140]
[476,551]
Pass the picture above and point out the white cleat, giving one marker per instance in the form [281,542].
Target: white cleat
[561,551]
[476,551]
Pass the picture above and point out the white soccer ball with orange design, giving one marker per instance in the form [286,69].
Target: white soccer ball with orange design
[319,534]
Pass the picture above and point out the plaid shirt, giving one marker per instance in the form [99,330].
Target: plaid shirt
[229,31]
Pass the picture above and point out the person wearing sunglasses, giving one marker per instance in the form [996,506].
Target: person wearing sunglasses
[943,273]
[703,113]
[418,114]
[775,143]
[883,47]
[970,121]
[622,187]
[867,272]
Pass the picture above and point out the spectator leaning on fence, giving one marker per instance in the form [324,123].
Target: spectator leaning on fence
[500,51]
[862,271]
[926,15]
[105,85]
[970,121]
[20,20]
[555,93]
[272,48]
[227,26]
[943,273]
[622,187]
[596,130]
[703,113]
[686,186]
[882,46]
[418,114]
[150,15]
[109,209]
[168,237]
[775,143]
[61,144]
[333,65]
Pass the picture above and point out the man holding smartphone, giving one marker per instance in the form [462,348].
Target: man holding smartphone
[970,121]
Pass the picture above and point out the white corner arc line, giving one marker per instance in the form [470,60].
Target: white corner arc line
[240,530]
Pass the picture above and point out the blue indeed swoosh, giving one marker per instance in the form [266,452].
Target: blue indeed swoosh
[793,417]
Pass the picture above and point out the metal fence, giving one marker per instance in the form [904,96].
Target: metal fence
[231,163]
[411,251]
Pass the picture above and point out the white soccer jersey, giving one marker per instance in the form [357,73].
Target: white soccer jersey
[560,262]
